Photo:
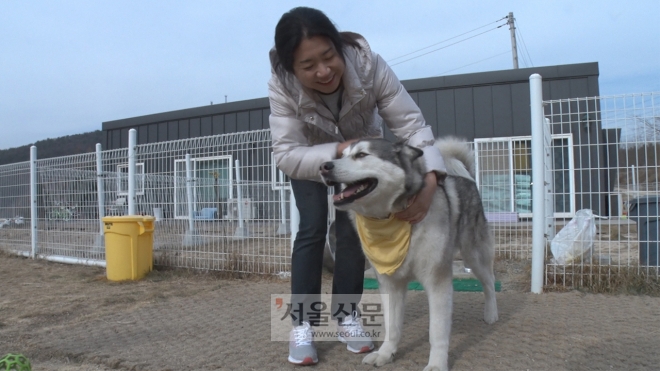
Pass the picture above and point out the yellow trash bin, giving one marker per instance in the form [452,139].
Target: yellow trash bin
[128,246]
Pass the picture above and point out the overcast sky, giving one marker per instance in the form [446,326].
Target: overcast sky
[67,66]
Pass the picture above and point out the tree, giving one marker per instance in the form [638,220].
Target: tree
[54,147]
[640,131]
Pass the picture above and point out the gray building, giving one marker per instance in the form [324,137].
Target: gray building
[476,105]
[490,108]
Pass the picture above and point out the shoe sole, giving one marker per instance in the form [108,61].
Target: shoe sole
[308,361]
[364,349]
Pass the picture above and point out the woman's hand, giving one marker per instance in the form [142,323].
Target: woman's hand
[343,145]
[419,204]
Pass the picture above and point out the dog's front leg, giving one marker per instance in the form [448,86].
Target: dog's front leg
[440,293]
[393,291]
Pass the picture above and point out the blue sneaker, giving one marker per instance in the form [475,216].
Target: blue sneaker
[301,346]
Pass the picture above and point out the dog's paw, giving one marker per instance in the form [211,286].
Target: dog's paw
[491,317]
[377,359]
[435,368]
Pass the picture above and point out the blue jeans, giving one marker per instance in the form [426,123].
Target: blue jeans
[307,257]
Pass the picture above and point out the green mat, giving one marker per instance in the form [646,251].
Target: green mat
[465,285]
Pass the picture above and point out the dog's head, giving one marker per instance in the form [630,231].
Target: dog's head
[377,177]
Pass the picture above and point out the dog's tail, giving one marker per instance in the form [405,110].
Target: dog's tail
[458,156]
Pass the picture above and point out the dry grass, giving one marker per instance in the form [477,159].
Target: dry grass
[604,279]
[615,234]
[230,264]
[165,273]
[513,274]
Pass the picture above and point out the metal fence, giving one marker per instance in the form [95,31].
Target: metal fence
[15,206]
[601,154]
[220,203]
[226,208]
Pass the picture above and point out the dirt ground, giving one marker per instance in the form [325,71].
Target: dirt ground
[70,318]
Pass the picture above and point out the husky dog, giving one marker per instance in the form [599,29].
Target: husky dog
[379,177]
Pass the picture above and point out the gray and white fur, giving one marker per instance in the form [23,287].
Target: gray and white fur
[455,222]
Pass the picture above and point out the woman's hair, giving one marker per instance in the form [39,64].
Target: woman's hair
[304,23]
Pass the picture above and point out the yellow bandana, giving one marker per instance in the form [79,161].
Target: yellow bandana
[385,242]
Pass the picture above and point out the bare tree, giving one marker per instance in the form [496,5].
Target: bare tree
[640,131]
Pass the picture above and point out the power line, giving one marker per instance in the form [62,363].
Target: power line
[451,38]
[446,46]
[526,51]
[470,64]
[522,54]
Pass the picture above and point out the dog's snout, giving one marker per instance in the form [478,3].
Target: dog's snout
[327,166]
[326,172]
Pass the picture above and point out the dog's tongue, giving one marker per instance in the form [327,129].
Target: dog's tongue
[347,192]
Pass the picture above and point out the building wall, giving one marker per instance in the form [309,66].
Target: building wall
[189,123]
[477,105]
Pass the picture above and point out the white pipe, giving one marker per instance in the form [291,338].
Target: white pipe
[189,191]
[239,194]
[33,200]
[132,142]
[295,217]
[512,176]
[100,191]
[63,259]
[282,199]
[69,260]
[538,183]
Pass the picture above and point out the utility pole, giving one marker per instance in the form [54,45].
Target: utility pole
[514,48]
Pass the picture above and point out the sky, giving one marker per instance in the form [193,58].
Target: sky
[67,66]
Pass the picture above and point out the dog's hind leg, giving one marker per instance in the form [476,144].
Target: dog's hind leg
[439,288]
[393,291]
[481,262]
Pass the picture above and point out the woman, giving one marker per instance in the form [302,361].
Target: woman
[327,90]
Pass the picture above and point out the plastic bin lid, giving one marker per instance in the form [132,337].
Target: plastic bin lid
[645,200]
[128,218]
[644,207]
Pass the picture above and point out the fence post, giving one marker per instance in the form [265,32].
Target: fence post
[241,232]
[132,142]
[549,187]
[100,192]
[189,237]
[538,183]
[33,200]
[284,225]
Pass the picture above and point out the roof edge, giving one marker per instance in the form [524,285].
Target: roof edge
[212,109]
[415,85]
[502,76]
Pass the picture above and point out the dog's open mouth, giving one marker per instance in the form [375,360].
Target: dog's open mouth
[356,190]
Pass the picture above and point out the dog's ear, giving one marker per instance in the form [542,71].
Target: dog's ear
[407,156]
[410,152]
[416,152]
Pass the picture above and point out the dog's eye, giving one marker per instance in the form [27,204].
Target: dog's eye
[361,155]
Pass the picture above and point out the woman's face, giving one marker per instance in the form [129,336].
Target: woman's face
[318,65]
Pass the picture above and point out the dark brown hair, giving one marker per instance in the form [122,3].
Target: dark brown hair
[300,23]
